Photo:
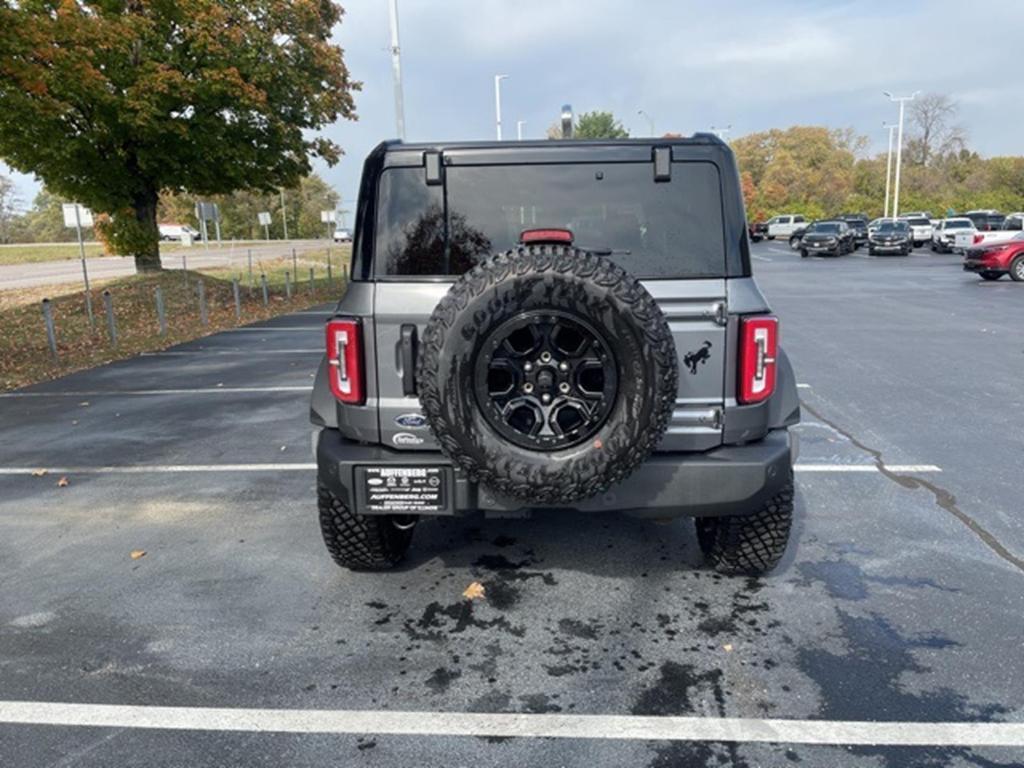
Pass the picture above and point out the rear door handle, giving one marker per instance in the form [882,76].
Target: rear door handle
[407,342]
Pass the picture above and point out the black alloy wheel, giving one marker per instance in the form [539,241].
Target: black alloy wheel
[546,380]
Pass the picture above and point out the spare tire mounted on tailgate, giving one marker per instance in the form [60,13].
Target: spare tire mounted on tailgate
[547,373]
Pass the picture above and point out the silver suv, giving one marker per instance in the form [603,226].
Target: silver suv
[536,327]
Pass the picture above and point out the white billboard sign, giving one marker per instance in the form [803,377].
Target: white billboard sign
[327,216]
[264,218]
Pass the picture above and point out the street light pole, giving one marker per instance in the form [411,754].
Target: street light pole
[650,120]
[396,69]
[497,102]
[519,129]
[888,169]
[899,148]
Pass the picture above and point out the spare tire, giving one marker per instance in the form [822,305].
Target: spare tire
[547,373]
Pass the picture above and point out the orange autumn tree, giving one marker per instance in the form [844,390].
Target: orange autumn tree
[111,103]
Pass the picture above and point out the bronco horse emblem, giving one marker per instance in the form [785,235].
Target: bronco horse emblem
[700,357]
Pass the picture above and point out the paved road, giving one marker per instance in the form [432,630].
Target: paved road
[107,267]
[900,599]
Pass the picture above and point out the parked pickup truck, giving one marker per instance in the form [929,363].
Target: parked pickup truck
[1011,226]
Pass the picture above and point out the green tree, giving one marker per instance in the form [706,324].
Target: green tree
[113,102]
[8,200]
[599,125]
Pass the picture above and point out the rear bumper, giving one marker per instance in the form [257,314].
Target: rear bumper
[731,480]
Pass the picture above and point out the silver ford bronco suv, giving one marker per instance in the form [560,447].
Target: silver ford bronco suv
[538,327]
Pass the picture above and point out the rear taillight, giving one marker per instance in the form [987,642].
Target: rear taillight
[345,360]
[759,346]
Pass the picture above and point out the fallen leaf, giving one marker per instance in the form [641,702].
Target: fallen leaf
[38,472]
[84,403]
[137,553]
[474,591]
[62,483]
[728,647]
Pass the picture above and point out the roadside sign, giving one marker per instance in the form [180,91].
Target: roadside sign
[264,218]
[76,217]
[207,212]
[328,216]
[83,219]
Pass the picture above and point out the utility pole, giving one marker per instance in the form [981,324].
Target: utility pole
[721,131]
[396,69]
[519,129]
[284,215]
[497,102]
[888,169]
[899,148]
[650,120]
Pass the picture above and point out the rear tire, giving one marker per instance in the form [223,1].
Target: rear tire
[748,545]
[360,542]
[1017,269]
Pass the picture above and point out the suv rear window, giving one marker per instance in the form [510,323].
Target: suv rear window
[669,229]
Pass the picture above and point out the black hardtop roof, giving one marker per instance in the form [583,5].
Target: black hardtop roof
[697,139]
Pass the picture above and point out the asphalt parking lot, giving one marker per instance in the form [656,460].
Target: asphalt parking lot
[900,600]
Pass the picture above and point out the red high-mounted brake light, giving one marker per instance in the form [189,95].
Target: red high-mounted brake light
[545,236]
[345,360]
[759,348]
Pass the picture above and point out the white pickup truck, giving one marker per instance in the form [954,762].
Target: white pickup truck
[785,225]
[1011,226]
[944,233]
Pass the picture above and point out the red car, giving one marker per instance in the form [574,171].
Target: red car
[994,261]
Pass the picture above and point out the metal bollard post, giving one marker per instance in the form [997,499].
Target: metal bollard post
[288,285]
[108,303]
[238,301]
[295,265]
[51,334]
[312,290]
[329,278]
[249,251]
[266,298]
[161,315]
[202,303]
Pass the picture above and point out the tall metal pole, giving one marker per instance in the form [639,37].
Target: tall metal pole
[899,148]
[650,120]
[519,129]
[497,102]
[888,170]
[284,215]
[396,69]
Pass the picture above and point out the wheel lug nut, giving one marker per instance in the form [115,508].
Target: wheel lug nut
[545,357]
[527,387]
[563,366]
[563,387]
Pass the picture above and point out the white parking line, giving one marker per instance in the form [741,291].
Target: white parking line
[131,469]
[803,386]
[559,726]
[132,392]
[759,258]
[252,352]
[865,468]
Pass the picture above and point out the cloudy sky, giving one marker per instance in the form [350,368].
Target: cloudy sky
[688,65]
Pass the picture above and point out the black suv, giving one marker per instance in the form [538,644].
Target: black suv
[551,326]
[858,224]
[827,238]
